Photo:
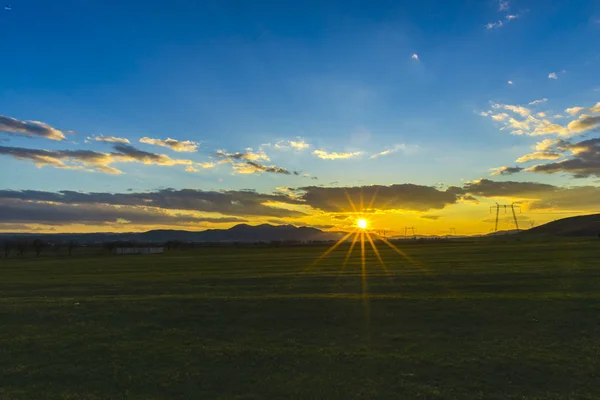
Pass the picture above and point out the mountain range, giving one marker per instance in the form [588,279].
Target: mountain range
[238,233]
[581,226]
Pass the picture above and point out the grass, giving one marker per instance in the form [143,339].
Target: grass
[471,320]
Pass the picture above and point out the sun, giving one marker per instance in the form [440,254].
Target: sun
[362,223]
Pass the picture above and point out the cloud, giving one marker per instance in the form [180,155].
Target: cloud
[392,197]
[12,210]
[584,123]
[249,162]
[94,161]
[574,110]
[415,56]
[186,146]
[500,117]
[510,82]
[335,156]
[248,155]
[493,25]
[298,144]
[540,101]
[399,147]
[232,202]
[510,17]
[504,170]
[552,75]
[539,155]
[251,167]
[548,144]
[489,188]
[522,111]
[583,163]
[30,128]
[503,5]
[539,196]
[111,139]
[540,124]
[432,217]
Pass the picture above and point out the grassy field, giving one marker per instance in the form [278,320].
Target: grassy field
[473,320]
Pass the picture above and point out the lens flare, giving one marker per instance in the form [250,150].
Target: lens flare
[362,223]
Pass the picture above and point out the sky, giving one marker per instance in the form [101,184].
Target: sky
[128,116]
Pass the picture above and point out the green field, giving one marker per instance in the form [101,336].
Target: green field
[473,320]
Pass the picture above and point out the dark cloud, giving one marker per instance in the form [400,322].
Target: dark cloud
[540,195]
[470,199]
[585,160]
[489,188]
[92,160]
[248,162]
[19,211]
[506,170]
[264,168]
[401,196]
[239,203]
[432,217]
[29,128]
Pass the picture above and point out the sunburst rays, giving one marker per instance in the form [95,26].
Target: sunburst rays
[362,234]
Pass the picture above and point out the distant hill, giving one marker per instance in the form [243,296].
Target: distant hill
[585,225]
[238,233]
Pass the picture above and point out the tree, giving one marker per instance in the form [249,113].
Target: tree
[8,246]
[21,248]
[70,246]
[110,246]
[38,245]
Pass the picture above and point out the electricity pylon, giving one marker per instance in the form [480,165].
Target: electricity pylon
[506,206]
[410,229]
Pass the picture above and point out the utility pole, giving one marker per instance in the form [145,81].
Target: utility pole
[512,206]
[497,207]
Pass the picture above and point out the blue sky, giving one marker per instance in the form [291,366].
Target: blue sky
[345,77]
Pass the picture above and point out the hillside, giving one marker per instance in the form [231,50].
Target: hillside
[581,226]
[238,233]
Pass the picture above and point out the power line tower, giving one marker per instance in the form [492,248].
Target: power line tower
[512,207]
[411,229]
[382,233]
[453,231]
[531,224]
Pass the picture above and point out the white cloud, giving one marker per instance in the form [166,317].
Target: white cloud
[297,144]
[503,5]
[415,56]
[510,82]
[510,17]
[574,110]
[552,75]
[522,111]
[186,146]
[493,25]
[110,139]
[30,128]
[399,147]
[539,155]
[335,156]
[540,124]
[540,101]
